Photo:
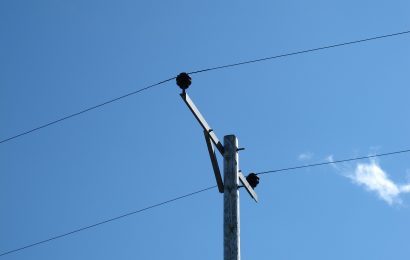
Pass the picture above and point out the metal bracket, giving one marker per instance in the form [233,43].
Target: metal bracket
[247,186]
[203,122]
[214,162]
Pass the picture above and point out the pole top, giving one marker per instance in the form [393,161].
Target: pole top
[183,81]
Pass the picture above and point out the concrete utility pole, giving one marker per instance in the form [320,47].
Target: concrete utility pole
[232,175]
[231,199]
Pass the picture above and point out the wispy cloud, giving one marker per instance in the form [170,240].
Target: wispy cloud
[305,156]
[374,179]
[338,167]
[371,177]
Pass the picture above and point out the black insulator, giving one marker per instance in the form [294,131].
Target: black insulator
[253,180]
[183,80]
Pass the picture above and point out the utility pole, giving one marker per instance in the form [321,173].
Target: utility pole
[232,174]
[231,199]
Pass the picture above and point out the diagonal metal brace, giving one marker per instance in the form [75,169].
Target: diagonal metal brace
[247,186]
[203,122]
[214,162]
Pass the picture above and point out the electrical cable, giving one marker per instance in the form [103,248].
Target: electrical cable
[333,162]
[106,221]
[199,191]
[300,52]
[86,110]
[205,70]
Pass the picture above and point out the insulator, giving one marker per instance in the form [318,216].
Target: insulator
[183,80]
[253,180]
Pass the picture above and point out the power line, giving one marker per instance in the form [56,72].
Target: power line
[196,192]
[86,110]
[332,162]
[301,52]
[107,221]
[202,71]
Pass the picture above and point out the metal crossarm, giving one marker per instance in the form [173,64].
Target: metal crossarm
[203,122]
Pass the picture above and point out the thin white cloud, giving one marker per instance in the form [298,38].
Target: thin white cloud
[337,167]
[374,179]
[305,156]
[329,158]
[405,188]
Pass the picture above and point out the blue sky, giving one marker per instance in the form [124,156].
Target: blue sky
[59,57]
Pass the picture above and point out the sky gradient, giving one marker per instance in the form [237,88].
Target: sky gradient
[60,57]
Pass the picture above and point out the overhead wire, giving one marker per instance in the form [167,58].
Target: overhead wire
[209,188]
[333,162]
[197,192]
[107,221]
[202,71]
[300,52]
[86,110]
